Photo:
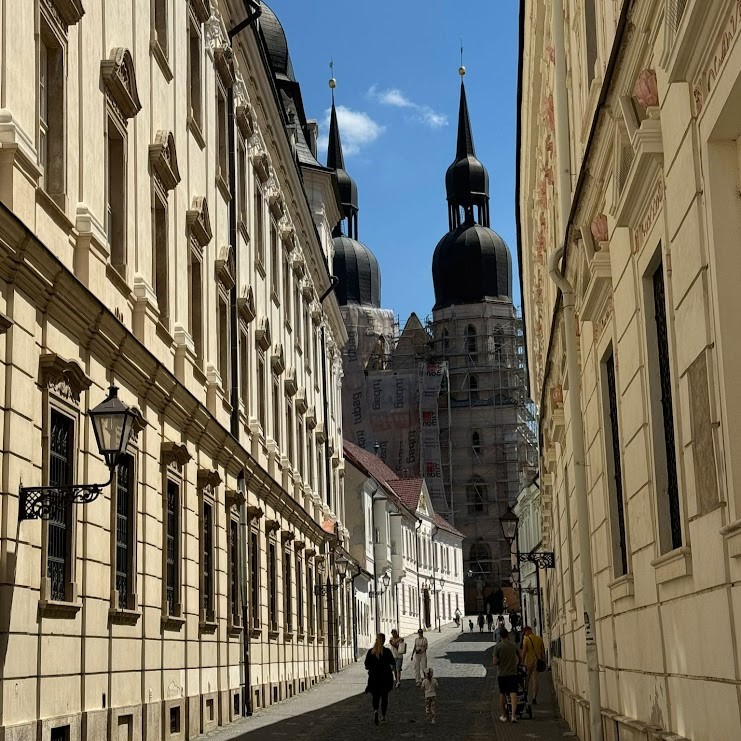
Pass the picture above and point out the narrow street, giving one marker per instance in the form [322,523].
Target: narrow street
[338,708]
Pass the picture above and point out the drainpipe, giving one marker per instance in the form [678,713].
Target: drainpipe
[561,111]
[419,587]
[333,283]
[438,597]
[580,485]
[355,615]
[245,584]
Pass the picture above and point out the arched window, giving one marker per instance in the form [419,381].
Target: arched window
[476,442]
[473,388]
[477,496]
[446,341]
[470,339]
[480,558]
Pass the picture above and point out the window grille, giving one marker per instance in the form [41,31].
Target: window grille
[173,523]
[60,474]
[234,570]
[255,579]
[208,560]
[123,530]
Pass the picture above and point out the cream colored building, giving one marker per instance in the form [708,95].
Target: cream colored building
[150,241]
[629,157]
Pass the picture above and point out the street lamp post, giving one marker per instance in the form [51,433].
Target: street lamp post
[113,423]
[439,604]
[510,523]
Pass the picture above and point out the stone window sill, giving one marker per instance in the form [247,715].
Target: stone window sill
[172,622]
[673,565]
[124,616]
[58,608]
[621,587]
[161,57]
[234,628]
[255,632]
[288,635]
[208,626]
[223,187]
[732,535]
[273,633]
[243,229]
[259,265]
[195,129]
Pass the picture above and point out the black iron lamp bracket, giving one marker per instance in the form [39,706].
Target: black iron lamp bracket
[49,502]
[542,559]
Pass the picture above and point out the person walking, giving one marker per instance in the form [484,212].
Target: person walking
[420,656]
[430,685]
[457,618]
[489,621]
[498,629]
[533,657]
[507,658]
[398,649]
[481,622]
[380,664]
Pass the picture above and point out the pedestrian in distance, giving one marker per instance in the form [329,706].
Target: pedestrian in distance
[457,619]
[398,649]
[420,656]
[498,629]
[481,622]
[429,686]
[470,626]
[533,657]
[380,664]
[507,658]
[489,621]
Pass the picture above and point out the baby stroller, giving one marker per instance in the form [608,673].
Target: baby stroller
[523,706]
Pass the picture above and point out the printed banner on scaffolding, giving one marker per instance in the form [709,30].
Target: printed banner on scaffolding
[431,377]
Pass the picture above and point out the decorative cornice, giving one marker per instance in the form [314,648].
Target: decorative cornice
[262,333]
[222,267]
[301,405]
[197,220]
[287,536]
[234,498]
[224,63]
[272,526]
[246,304]
[277,361]
[254,513]
[174,453]
[311,418]
[163,159]
[200,9]
[289,382]
[64,377]
[299,545]
[5,323]
[120,80]
[208,478]
[70,11]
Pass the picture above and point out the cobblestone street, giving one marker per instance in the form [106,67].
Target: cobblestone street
[338,709]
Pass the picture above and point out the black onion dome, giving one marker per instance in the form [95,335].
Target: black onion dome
[276,43]
[356,268]
[470,264]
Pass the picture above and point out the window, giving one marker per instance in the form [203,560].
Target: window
[476,496]
[194,74]
[172,541]
[160,258]
[310,596]
[667,485]
[310,458]
[61,473]
[287,596]
[259,225]
[223,337]
[125,529]
[614,468]
[297,320]
[473,388]
[470,339]
[289,432]
[480,558]
[207,562]
[222,142]
[261,401]
[195,300]
[286,288]
[476,442]
[299,596]
[234,606]
[160,24]
[590,30]
[242,203]
[276,409]
[274,264]
[60,733]
[116,193]
[244,370]
[255,579]
[300,445]
[272,588]
[307,334]
[51,133]
[446,342]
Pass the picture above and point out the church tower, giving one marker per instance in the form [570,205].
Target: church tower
[484,444]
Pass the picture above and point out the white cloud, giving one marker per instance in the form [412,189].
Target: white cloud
[396,98]
[357,130]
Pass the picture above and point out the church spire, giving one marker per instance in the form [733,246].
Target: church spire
[466,181]
[345,184]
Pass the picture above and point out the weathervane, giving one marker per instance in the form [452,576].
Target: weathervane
[332,81]
[461,69]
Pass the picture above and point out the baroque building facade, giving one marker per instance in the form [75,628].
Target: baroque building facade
[165,228]
[628,196]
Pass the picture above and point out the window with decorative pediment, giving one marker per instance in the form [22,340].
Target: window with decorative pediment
[276,408]
[258,233]
[159,26]
[286,289]
[272,585]
[261,400]
[122,104]
[199,235]
[274,263]
[174,457]
[255,578]
[242,195]
[195,60]
[299,591]
[224,283]
[222,142]
[208,482]
[63,382]
[244,365]
[310,596]
[290,450]
[233,502]
[590,39]
[287,595]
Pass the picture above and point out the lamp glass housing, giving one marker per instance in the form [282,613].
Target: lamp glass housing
[340,564]
[386,579]
[113,422]
[509,522]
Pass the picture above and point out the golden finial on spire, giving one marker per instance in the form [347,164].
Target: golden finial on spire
[332,81]
[461,69]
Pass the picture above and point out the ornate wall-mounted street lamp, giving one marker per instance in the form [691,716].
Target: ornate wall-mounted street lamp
[341,563]
[113,422]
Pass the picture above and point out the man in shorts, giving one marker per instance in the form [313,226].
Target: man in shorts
[398,649]
[507,658]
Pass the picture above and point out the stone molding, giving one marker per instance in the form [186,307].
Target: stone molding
[198,221]
[64,377]
[163,159]
[246,304]
[174,454]
[120,80]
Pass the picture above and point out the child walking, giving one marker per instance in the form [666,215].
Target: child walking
[429,686]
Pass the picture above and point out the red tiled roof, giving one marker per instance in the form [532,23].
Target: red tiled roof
[370,462]
[408,491]
[443,524]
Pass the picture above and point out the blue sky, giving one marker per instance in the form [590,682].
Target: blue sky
[396,67]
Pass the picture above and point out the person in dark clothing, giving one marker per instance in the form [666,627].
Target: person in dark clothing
[380,664]
[489,621]
[481,622]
